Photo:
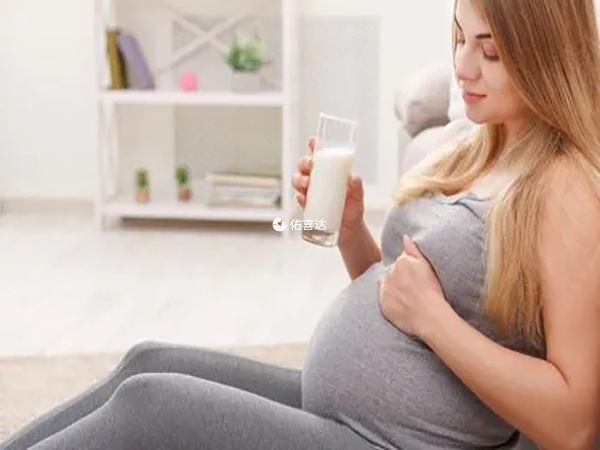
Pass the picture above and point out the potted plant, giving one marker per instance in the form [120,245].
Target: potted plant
[142,183]
[182,176]
[246,58]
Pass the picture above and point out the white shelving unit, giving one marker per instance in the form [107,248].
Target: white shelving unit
[181,98]
[194,210]
[113,201]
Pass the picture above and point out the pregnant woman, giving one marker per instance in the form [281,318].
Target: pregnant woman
[479,315]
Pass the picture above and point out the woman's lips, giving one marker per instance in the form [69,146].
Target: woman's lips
[472,98]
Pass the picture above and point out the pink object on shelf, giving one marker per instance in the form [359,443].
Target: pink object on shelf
[188,81]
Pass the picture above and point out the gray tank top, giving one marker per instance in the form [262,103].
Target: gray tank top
[388,386]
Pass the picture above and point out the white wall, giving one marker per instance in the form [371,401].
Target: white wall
[46,107]
[47,110]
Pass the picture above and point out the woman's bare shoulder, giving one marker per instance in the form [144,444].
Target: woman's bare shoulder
[571,207]
[569,182]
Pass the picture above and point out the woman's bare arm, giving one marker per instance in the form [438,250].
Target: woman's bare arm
[359,250]
[556,401]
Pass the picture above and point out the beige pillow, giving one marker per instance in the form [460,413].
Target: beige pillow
[423,101]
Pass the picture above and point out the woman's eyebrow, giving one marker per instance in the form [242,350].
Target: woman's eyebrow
[479,36]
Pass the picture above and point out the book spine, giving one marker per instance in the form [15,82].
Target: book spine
[115,59]
[137,67]
[242,202]
[242,181]
[271,198]
[245,191]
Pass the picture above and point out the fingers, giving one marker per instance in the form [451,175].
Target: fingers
[301,200]
[301,179]
[306,162]
[355,187]
[355,180]
[312,142]
[305,165]
[300,182]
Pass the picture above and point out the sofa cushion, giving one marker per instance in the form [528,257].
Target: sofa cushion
[423,100]
[423,144]
[432,139]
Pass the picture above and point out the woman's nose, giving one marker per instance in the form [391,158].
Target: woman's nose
[467,66]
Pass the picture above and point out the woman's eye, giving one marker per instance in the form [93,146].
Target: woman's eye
[490,54]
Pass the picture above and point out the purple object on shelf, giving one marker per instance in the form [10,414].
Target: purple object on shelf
[137,68]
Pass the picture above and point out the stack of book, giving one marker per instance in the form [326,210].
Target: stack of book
[238,189]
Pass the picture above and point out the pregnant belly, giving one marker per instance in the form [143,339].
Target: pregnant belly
[389,386]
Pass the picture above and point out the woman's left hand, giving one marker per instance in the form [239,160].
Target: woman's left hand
[410,295]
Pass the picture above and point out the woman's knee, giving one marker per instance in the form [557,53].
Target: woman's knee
[153,396]
[136,407]
[136,390]
[142,357]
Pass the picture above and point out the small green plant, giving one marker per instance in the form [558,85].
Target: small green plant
[141,178]
[182,175]
[246,54]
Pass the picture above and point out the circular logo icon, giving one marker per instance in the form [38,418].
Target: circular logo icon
[279,225]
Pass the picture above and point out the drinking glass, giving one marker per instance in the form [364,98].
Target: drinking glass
[332,164]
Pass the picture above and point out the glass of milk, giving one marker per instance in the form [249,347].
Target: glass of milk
[332,164]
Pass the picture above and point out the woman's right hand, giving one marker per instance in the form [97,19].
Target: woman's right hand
[354,207]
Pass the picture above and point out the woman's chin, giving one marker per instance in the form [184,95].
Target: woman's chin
[474,117]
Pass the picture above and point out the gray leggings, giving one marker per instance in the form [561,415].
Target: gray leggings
[173,397]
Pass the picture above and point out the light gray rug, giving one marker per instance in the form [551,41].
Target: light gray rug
[31,386]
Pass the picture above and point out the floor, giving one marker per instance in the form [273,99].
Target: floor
[66,288]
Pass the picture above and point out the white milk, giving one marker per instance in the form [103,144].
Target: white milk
[328,184]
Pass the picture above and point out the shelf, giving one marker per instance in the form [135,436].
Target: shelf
[165,209]
[174,39]
[214,98]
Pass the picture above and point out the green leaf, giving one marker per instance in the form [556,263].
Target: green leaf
[182,175]
[246,54]
[141,178]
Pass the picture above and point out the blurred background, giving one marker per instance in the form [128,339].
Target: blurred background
[108,109]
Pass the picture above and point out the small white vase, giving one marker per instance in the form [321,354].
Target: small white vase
[245,81]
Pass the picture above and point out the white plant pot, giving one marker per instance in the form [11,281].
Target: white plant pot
[245,81]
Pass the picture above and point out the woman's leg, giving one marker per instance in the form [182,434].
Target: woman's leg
[171,411]
[276,383]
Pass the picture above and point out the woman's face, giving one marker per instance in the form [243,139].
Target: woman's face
[479,71]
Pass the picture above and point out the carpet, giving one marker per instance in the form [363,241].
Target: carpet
[30,386]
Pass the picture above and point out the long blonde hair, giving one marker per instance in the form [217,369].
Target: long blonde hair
[550,50]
